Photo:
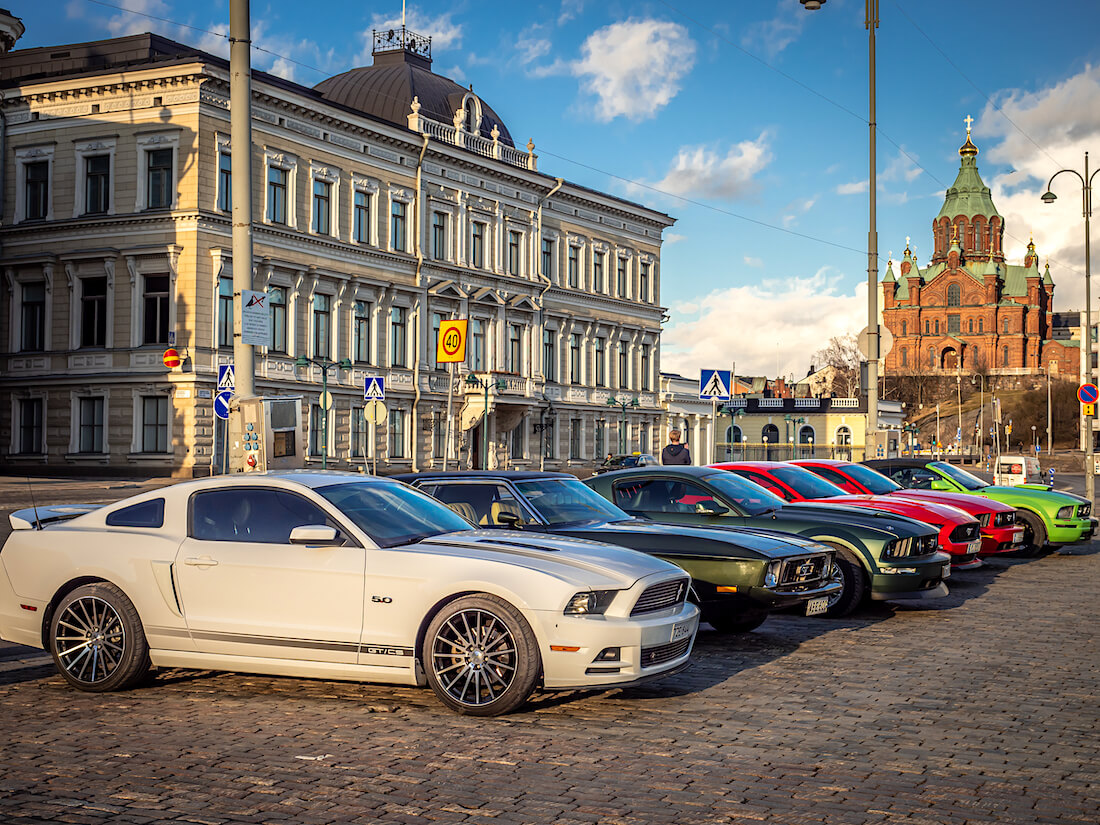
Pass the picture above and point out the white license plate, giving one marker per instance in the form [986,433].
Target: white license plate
[681,629]
[947,570]
[974,546]
[1018,537]
[818,605]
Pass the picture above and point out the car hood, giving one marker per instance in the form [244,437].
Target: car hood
[927,511]
[963,501]
[583,563]
[1052,498]
[888,525]
[685,539]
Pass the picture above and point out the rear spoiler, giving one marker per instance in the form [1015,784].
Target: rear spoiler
[36,518]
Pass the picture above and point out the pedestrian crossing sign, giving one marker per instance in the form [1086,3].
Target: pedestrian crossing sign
[226,379]
[714,385]
[374,388]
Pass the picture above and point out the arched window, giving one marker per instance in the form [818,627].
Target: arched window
[806,441]
[970,326]
[903,328]
[843,444]
[472,106]
[1004,357]
[1006,325]
[931,356]
[981,325]
[954,295]
[733,443]
[937,326]
[770,436]
[926,327]
[904,357]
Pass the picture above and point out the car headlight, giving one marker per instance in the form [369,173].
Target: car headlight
[1065,512]
[590,603]
[898,548]
[771,575]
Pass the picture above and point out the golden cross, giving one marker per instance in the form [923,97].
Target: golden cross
[968,120]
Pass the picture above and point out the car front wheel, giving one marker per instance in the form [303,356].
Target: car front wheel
[97,640]
[481,657]
[1035,534]
[848,572]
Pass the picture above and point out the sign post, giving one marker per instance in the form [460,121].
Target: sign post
[714,385]
[451,350]
[374,392]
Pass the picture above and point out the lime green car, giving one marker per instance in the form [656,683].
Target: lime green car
[1050,518]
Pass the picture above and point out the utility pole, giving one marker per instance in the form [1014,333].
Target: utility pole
[240,135]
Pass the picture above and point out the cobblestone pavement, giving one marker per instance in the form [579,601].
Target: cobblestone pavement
[978,708]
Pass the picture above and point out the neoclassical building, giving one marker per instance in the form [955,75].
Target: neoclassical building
[386,199]
[969,309]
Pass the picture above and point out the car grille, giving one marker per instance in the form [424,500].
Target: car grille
[964,532]
[804,570]
[660,654]
[1004,519]
[661,596]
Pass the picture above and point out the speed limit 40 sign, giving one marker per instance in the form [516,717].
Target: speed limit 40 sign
[452,342]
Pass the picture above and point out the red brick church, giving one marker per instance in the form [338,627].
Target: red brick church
[969,309]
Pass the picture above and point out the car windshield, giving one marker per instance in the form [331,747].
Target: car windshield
[873,480]
[618,462]
[959,475]
[567,501]
[391,513]
[750,498]
[807,484]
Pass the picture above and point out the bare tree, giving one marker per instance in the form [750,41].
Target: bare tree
[843,355]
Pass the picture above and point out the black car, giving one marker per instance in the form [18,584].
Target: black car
[738,576]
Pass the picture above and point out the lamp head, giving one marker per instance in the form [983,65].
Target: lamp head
[471,380]
[813,5]
[301,361]
[345,364]
[634,402]
[1049,197]
[612,402]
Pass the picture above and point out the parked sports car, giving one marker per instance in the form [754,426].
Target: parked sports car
[878,555]
[959,532]
[1048,517]
[1000,532]
[738,577]
[335,576]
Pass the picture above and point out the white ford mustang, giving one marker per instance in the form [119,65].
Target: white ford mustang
[335,576]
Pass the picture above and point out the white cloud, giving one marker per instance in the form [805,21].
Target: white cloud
[756,263]
[455,73]
[853,188]
[530,46]
[634,68]
[705,171]
[569,10]
[750,324]
[123,24]
[773,36]
[1065,121]
[672,237]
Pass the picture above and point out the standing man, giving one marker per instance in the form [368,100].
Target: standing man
[675,452]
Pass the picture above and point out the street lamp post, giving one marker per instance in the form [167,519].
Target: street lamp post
[325,364]
[622,405]
[485,383]
[870,22]
[1086,211]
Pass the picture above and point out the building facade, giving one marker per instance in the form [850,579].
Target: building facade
[969,309]
[385,200]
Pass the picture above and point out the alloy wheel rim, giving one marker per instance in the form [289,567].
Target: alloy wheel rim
[474,657]
[89,639]
[836,576]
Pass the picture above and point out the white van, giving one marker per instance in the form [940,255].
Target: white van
[1018,469]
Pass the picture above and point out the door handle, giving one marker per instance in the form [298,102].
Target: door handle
[201,561]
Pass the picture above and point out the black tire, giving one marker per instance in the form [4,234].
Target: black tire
[734,621]
[488,648]
[97,641]
[849,572]
[1035,534]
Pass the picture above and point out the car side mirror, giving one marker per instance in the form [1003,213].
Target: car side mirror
[317,535]
[510,520]
[711,508]
[941,484]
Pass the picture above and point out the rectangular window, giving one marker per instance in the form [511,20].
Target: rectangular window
[359,432]
[620,278]
[477,344]
[645,366]
[575,358]
[97,184]
[547,258]
[397,226]
[317,434]
[93,312]
[573,274]
[643,283]
[597,272]
[549,439]
[276,194]
[158,178]
[30,426]
[33,319]
[477,246]
[90,412]
[322,326]
[513,253]
[515,349]
[439,235]
[225,312]
[36,192]
[361,333]
[277,301]
[515,446]
[624,365]
[155,330]
[549,355]
[437,325]
[953,325]
[397,336]
[397,433]
[360,218]
[601,362]
[574,438]
[154,424]
[439,434]
[322,205]
[225,182]
[601,438]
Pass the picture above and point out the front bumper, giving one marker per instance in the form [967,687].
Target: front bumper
[646,645]
[1001,539]
[964,554]
[911,579]
[776,599]
[1072,531]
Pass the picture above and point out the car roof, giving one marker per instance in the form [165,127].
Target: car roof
[898,462]
[753,465]
[663,470]
[511,475]
[824,462]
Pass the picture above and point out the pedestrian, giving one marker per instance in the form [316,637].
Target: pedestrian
[675,452]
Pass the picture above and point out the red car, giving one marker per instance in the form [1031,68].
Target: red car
[960,533]
[1000,531]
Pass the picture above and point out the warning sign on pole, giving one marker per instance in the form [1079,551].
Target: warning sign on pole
[451,347]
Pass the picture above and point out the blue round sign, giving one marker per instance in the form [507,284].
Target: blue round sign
[1087,393]
[221,404]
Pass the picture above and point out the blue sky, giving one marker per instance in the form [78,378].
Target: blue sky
[746,108]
